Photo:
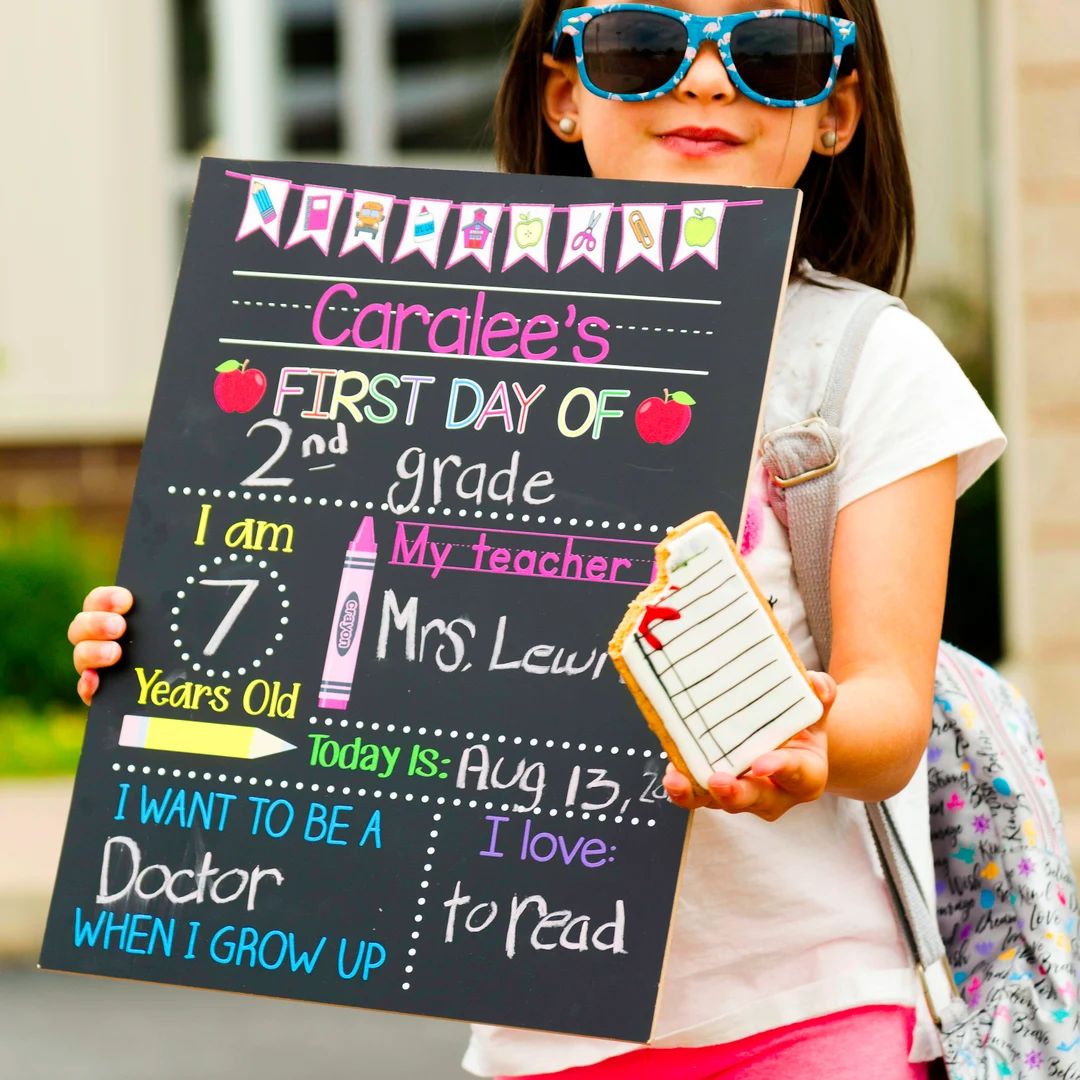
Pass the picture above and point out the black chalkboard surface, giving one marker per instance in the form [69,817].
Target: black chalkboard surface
[414,437]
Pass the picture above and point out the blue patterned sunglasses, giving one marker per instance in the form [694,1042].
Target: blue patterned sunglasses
[634,52]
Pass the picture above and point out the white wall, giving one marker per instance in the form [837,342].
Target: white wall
[935,51]
[84,217]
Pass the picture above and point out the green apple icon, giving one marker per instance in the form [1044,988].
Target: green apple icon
[528,230]
[699,229]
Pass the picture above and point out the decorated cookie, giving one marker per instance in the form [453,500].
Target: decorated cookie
[706,660]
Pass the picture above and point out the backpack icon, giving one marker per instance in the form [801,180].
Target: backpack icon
[998,959]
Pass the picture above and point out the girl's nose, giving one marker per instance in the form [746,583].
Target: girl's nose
[707,79]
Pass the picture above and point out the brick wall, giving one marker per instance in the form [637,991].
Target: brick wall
[1034,81]
[93,482]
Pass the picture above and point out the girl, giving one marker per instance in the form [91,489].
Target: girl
[785,958]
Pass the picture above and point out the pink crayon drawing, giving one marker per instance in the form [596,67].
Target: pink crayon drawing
[349,610]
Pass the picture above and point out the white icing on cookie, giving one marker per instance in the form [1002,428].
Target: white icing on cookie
[723,680]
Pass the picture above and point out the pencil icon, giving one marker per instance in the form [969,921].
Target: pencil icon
[197,737]
[349,610]
[264,204]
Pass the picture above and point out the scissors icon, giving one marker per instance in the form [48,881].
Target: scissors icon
[585,238]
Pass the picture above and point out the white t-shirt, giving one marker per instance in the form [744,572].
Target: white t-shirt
[779,922]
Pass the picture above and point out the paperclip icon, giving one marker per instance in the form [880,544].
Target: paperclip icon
[641,230]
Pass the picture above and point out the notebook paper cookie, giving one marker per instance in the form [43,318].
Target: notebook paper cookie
[706,660]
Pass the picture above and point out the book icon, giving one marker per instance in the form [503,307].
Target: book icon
[317,212]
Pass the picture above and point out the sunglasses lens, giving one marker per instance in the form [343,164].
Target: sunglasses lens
[782,58]
[632,52]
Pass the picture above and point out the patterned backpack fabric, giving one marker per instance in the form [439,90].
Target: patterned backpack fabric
[999,962]
[1006,898]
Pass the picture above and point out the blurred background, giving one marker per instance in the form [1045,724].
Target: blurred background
[107,107]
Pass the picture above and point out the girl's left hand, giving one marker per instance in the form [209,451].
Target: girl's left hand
[795,772]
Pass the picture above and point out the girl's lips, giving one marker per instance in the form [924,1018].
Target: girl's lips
[699,142]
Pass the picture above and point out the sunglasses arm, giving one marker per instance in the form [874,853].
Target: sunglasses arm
[849,61]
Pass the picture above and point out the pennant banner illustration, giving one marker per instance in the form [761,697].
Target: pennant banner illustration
[265,204]
[315,221]
[475,235]
[369,218]
[476,227]
[586,234]
[699,232]
[529,228]
[424,224]
[642,234]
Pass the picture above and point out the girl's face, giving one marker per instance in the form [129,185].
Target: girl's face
[704,130]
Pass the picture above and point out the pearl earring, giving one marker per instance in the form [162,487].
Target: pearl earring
[828,140]
[568,125]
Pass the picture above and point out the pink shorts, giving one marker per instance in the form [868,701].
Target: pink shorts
[850,1045]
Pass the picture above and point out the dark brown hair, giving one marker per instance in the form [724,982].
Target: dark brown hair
[858,215]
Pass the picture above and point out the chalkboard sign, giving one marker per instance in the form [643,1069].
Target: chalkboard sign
[414,437]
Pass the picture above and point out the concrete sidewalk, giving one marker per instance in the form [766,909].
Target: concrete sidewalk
[75,1027]
[33,814]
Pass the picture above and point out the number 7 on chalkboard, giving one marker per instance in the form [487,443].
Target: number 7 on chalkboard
[238,605]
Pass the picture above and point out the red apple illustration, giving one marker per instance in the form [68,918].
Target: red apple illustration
[664,420]
[238,388]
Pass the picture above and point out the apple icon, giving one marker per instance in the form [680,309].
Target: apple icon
[699,230]
[528,230]
[664,420]
[238,388]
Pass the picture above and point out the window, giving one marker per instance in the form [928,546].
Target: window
[448,59]
[380,81]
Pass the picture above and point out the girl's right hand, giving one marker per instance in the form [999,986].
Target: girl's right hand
[94,631]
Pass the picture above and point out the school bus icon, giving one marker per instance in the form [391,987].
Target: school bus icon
[368,219]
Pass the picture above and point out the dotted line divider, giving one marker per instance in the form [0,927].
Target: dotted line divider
[271,303]
[664,329]
[221,560]
[421,900]
[357,310]
[356,504]
[367,793]
[469,736]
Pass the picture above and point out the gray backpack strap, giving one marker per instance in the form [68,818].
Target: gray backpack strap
[917,921]
[802,459]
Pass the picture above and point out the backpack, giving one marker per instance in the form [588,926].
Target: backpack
[997,959]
